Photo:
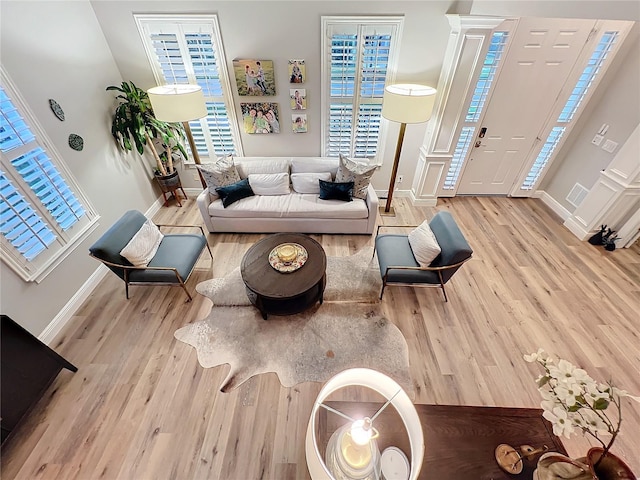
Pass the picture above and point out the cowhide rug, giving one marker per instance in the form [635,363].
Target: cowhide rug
[309,347]
[355,278]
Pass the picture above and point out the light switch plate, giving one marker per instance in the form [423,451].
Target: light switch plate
[597,140]
[609,146]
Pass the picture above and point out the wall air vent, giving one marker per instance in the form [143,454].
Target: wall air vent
[576,195]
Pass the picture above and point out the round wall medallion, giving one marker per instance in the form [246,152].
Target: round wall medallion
[76,142]
[56,109]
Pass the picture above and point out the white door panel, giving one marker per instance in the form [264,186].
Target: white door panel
[540,58]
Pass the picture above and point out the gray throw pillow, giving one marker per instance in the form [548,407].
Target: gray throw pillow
[358,173]
[219,174]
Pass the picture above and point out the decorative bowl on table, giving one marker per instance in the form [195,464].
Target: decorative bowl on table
[288,257]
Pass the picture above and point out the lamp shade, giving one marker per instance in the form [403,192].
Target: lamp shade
[177,103]
[386,387]
[408,102]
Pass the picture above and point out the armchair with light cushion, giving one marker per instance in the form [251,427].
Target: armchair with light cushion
[171,264]
[398,265]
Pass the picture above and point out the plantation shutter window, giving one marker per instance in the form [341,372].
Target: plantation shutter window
[188,49]
[43,214]
[359,60]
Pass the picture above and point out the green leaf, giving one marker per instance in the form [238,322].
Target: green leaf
[574,408]
[543,381]
[601,404]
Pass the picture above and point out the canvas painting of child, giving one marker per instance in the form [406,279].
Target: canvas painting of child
[254,77]
[260,117]
[298,98]
[297,71]
[299,123]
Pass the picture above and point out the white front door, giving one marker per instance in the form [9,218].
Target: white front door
[541,55]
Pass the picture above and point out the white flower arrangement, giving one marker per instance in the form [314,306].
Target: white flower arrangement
[572,400]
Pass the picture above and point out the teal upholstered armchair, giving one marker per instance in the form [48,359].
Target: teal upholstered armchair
[172,264]
[398,265]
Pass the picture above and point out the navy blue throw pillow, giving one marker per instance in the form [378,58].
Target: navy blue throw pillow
[336,191]
[234,192]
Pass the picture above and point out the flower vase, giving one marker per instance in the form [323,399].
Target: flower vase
[610,468]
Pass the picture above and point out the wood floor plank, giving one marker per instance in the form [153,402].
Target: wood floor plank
[140,405]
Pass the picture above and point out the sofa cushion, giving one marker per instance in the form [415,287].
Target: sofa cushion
[358,173]
[234,192]
[250,165]
[308,182]
[219,174]
[336,191]
[269,183]
[294,205]
[315,165]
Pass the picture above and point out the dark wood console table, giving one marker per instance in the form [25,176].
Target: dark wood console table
[459,441]
[28,367]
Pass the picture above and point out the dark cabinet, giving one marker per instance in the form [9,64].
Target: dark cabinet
[27,368]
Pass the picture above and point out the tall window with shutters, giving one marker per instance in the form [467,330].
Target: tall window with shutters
[188,49]
[43,214]
[359,59]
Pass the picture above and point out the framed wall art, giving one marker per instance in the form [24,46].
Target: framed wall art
[254,77]
[297,71]
[299,122]
[260,117]
[298,98]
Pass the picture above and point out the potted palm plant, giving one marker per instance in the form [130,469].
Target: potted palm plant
[134,124]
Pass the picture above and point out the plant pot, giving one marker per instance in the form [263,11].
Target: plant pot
[169,182]
[610,468]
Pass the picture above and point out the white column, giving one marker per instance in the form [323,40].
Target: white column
[468,42]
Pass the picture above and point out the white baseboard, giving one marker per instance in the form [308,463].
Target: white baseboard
[72,306]
[396,193]
[553,204]
[576,228]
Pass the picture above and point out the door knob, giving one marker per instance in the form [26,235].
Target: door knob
[478,143]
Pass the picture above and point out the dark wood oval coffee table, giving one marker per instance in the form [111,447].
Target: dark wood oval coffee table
[277,293]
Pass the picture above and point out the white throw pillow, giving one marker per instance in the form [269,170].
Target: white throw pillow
[269,183]
[143,245]
[308,182]
[423,244]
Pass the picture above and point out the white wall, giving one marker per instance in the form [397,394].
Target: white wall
[596,9]
[57,50]
[617,104]
[282,30]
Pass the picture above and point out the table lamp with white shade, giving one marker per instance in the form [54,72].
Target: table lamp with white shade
[179,103]
[352,451]
[404,103]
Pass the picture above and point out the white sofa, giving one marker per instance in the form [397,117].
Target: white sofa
[292,212]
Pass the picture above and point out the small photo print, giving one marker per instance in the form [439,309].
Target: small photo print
[254,77]
[298,98]
[297,71]
[299,123]
[260,117]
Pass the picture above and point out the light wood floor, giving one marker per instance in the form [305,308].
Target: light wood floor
[141,407]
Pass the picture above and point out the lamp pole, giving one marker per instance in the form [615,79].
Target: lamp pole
[194,151]
[394,170]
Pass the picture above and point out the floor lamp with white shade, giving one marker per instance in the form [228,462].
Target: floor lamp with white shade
[404,103]
[351,449]
[179,103]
